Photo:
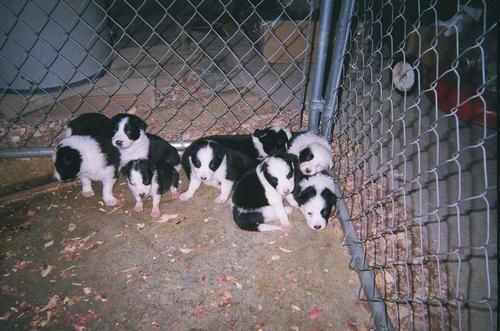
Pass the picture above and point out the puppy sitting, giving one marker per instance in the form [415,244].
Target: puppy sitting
[314,152]
[130,137]
[260,144]
[206,161]
[316,198]
[258,195]
[88,156]
[146,178]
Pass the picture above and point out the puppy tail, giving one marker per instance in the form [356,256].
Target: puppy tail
[249,221]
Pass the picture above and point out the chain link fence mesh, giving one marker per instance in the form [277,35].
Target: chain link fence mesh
[191,68]
[416,144]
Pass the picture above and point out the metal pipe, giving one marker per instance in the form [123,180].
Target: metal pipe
[316,101]
[47,152]
[360,265]
[339,47]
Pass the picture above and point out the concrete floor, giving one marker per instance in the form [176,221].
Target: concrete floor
[68,261]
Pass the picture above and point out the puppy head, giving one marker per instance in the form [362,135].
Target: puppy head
[314,159]
[126,130]
[205,159]
[316,206]
[67,162]
[279,172]
[271,141]
[139,176]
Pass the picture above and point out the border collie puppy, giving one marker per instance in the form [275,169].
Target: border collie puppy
[88,158]
[206,161]
[314,152]
[89,124]
[130,137]
[145,178]
[316,196]
[258,195]
[260,144]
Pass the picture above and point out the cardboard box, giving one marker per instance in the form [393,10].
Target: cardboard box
[286,41]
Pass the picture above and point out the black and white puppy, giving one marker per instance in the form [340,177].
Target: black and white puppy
[206,161]
[314,152]
[90,124]
[258,195]
[316,196]
[88,158]
[145,178]
[130,137]
[260,144]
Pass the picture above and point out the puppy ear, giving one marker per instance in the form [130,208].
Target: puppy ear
[140,123]
[328,195]
[259,133]
[305,195]
[288,133]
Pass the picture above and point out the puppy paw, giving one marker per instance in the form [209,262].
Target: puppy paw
[220,199]
[88,194]
[138,207]
[155,213]
[110,202]
[175,194]
[185,196]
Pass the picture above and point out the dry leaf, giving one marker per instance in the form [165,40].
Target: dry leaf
[186,250]
[315,313]
[166,217]
[285,250]
[46,270]
[71,227]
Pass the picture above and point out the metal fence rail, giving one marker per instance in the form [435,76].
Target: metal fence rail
[415,142]
[190,68]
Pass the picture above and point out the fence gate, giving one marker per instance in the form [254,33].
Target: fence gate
[415,139]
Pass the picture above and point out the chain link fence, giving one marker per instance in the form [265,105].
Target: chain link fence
[191,68]
[416,155]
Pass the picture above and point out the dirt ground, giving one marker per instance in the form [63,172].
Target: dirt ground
[70,262]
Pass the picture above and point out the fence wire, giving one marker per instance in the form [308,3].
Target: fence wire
[415,148]
[191,68]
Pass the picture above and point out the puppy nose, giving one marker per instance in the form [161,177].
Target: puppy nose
[119,142]
[317,227]
[142,195]
[287,191]
[308,171]
[203,178]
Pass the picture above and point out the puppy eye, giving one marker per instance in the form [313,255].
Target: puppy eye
[289,175]
[309,213]
[212,165]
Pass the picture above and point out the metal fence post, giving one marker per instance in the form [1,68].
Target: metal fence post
[316,101]
[339,47]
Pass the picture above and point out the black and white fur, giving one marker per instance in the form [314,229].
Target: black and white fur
[316,196]
[90,124]
[207,162]
[130,137]
[88,158]
[145,178]
[258,195]
[314,152]
[260,144]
